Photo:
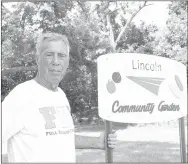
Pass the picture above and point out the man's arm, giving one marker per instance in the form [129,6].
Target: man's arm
[4,158]
[12,120]
[11,125]
[86,142]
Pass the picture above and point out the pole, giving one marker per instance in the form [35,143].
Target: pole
[182,140]
[108,151]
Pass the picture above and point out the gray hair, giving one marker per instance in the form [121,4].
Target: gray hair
[47,37]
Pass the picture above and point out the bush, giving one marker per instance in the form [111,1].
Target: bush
[12,79]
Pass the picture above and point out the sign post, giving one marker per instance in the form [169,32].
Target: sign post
[108,151]
[182,140]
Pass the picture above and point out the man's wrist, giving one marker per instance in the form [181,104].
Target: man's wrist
[100,144]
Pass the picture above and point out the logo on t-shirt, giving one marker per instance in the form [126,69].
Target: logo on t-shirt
[57,120]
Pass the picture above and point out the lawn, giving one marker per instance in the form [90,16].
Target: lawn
[150,143]
[139,151]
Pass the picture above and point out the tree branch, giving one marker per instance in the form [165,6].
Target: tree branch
[81,6]
[130,20]
[3,7]
[112,42]
[144,3]
[149,4]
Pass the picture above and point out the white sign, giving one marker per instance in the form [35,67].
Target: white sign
[139,88]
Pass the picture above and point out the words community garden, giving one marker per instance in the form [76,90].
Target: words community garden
[116,108]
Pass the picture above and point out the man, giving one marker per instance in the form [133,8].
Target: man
[36,120]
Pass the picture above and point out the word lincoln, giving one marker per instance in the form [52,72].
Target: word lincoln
[146,66]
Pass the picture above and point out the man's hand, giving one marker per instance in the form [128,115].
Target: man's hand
[111,142]
[4,158]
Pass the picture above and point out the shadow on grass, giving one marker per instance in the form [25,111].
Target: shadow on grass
[135,152]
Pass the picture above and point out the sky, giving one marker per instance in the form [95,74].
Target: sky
[154,14]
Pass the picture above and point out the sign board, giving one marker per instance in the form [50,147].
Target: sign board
[139,88]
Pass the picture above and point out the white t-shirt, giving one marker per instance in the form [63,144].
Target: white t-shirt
[37,125]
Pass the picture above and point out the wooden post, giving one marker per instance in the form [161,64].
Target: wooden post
[182,140]
[108,151]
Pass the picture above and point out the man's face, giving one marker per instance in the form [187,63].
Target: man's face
[53,61]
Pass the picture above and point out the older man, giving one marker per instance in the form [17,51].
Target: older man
[36,119]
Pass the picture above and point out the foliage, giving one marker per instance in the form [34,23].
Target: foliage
[172,42]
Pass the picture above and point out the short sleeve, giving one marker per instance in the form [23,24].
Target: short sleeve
[66,99]
[68,105]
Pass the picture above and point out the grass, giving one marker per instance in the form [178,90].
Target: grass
[146,143]
[135,152]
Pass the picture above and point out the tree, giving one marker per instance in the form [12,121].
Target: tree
[172,42]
